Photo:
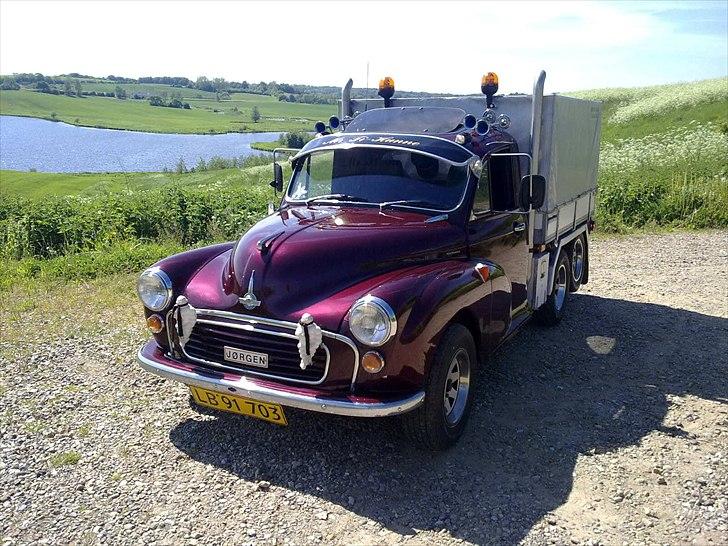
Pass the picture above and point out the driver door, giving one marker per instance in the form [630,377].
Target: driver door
[498,233]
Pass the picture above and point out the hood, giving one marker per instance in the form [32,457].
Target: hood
[300,256]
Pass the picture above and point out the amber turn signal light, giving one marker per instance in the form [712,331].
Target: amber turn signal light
[372,362]
[155,324]
[483,271]
[386,83]
[491,78]
[386,90]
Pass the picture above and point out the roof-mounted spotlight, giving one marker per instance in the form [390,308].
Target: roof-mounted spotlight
[504,121]
[490,116]
[386,90]
[481,127]
[334,122]
[469,121]
[320,127]
[489,87]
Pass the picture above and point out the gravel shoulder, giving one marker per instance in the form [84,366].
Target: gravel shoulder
[611,428]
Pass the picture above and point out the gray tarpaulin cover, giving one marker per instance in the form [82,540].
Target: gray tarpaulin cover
[569,148]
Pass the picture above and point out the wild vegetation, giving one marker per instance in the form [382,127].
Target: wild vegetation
[663,164]
[664,156]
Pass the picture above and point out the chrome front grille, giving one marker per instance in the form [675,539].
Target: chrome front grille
[209,337]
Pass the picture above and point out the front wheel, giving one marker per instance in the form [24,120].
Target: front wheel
[551,312]
[439,422]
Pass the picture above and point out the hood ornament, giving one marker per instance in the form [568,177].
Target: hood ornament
[309,336]
[249,300]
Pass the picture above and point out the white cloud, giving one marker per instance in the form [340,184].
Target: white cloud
[443,46]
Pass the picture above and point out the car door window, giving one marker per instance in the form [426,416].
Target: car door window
[502,187]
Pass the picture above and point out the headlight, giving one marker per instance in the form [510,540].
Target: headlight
[372,321]
[154,289]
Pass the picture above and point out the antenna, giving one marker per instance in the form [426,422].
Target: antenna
[366,95]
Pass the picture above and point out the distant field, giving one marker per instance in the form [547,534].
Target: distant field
[159,89]
[205,116]
[35,185]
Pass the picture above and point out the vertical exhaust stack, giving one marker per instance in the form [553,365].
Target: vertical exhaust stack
[536,107]
[536,122]
[346,99]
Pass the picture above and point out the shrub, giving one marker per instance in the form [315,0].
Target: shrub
[294,140]
[9,85]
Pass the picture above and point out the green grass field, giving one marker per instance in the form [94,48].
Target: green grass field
[36,185]
[205,115]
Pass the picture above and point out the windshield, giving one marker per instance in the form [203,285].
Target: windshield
[383,176]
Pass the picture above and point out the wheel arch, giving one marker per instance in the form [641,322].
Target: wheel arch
[466,317]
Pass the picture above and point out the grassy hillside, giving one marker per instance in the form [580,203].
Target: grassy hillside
[664,155]
[635,112]
[205,115]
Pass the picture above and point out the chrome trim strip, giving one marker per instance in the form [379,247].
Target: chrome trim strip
[388,311]
[283,324]
[250,328]
[245,387]
[303,150]
[349,145]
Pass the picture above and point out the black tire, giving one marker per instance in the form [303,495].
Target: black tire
[578,259]
[551,312]
[431,426]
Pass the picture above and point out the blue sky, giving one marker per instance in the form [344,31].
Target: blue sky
[431,46]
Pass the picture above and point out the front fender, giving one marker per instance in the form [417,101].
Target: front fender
[181,268]
[426,299]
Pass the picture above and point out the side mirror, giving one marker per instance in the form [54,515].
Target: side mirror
[537,194]
[277,182]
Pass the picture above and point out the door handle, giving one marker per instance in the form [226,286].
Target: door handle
[518,227]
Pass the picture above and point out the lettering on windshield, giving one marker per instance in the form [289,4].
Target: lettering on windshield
[364,139]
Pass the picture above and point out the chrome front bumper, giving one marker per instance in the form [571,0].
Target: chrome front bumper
[242,386]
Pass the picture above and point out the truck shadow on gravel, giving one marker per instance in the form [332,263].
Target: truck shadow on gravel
[599,381]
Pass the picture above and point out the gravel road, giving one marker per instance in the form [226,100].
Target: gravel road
[611,428]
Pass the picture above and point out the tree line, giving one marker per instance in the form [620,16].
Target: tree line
[285,92]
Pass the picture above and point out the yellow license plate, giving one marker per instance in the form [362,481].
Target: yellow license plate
[238,404]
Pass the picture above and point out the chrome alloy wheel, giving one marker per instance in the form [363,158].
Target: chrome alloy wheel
[562,281]
[457,385]
[577,260]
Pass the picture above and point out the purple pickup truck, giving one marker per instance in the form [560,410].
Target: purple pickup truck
[413,238]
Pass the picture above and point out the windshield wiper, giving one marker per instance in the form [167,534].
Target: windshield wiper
[336,197]
[406,202]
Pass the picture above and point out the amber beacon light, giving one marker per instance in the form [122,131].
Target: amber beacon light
[386,90]
[489,87]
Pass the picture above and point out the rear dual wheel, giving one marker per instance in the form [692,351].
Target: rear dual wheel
[551,312]
[578,263]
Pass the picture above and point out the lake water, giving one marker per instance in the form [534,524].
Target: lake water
[47,146]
